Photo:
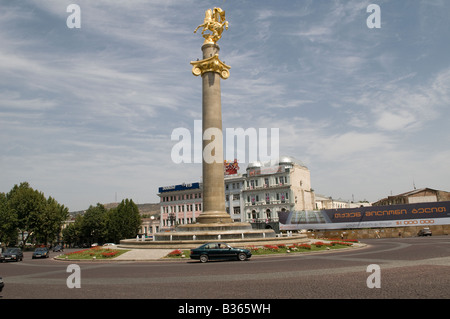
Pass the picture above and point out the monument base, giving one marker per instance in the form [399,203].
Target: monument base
[193,235]
[214,217]
[214,231]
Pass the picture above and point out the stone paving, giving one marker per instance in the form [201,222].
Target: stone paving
[143,254]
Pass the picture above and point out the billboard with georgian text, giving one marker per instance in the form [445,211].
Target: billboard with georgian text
[419,214]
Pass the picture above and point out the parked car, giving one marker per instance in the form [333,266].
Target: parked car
[41,252]
[13,254]
[58,248]
[424,232]
[2,284]
[210,251]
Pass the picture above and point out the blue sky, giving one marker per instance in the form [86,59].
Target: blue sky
[86,114]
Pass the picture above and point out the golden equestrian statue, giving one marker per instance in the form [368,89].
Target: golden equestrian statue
[214,22]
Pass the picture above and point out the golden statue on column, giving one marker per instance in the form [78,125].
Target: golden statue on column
[214,22]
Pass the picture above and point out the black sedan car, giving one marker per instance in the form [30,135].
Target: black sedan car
[12,254]
[41,252]
[213,251]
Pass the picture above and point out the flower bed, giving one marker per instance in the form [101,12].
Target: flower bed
[175,253]
[95,252]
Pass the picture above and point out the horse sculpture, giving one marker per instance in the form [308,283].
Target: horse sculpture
[214,22]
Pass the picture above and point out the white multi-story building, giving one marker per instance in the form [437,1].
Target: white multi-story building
[268,190]
[234,202]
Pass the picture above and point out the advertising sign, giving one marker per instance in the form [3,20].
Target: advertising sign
[179,187]
[420,214]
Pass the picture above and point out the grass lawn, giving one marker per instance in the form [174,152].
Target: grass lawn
[94,253]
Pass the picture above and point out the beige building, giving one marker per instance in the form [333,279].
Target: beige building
[423,195]
[149,226]
[324,202]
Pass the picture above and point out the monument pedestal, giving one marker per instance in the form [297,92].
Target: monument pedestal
[215,232]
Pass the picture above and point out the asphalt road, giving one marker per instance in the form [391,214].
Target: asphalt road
[408,268]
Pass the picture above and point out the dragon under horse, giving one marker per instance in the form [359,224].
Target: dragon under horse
[214,22]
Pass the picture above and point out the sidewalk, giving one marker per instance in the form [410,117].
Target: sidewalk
[143,254]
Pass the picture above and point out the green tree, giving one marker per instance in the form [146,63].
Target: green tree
[93,225]
[27,204]
[28,211]
[72,233]
[50,221]
[8,222]
[123,221]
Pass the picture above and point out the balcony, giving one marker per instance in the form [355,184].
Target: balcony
[272,202]
[266,186]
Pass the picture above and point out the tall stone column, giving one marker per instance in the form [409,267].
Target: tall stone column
[212,70]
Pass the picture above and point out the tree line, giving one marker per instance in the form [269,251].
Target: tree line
[101,225]
[27,216]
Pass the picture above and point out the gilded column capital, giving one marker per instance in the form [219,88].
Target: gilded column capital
[212,64]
